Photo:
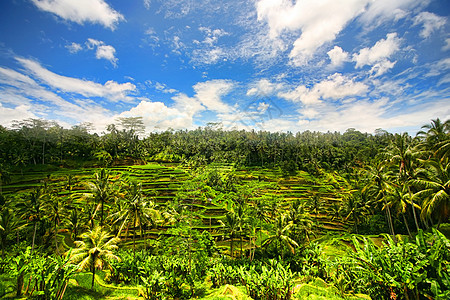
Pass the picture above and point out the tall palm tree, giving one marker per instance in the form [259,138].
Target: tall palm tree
[31,209]
[404,157]
[302,221]
[280,236]
[135,212]
[230,226]
[261,211]
[54,209]
[434,190]
[377,185]
[434,133]
[398,198]
[102,190]
[95,250]
[9,224]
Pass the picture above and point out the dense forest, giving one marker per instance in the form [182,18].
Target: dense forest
[210,213]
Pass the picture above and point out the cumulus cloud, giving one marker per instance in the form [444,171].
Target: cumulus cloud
[82,11]
[209,94]
[263,87]
[320,22]
[111,90]
[103,51]
[377,56]
[158,116]
[430,23]
[74,47]
[337,56]
[336,86]
[20,112]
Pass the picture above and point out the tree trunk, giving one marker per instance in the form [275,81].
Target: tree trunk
[406,224]
[19,285]
[34,237]
[413,209]
[231,254]
[391,226]
[134,238]
[93,275]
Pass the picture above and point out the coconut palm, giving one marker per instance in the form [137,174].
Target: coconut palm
[9,224]
[434,190]
[31,209]
[434,133]
[303,223]
[135,212]
[230,226]
[102,190]
[94,250]
[280,236]
[403,157]
[261,211]
[376,187]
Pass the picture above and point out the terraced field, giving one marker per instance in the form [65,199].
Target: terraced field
[162,182]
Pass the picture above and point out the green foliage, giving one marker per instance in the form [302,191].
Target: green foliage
[262,281]
[403,269]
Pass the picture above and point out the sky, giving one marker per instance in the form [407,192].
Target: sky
[274,65]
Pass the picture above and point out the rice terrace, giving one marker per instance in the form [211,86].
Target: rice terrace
[197,149]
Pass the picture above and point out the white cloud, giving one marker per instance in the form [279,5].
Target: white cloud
[147,4]
[209,94]
[111,90]
[337,56]
[320,22]
[81,11]
[447,45]
[439,67]
[263,87]
[20,112]
[380,11]
[212,35]
[367,116]
[430,23]
[157,116]
[378,55]
[103,51]
[28,98]
[74,47]
[335,87]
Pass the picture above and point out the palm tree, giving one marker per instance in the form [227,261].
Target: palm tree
[435,190]
[32,208]
[230,225]
[95,250]
[102,190]
[303,223]
[378,183]
[54,208]
[280,236]
[261,210]
[398,198]
[8,225]
[315,205]
[136,211]
[403,157]
[434,133]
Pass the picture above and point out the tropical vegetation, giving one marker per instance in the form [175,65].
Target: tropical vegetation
[216,214]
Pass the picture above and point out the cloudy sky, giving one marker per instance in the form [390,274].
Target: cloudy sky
[277,65]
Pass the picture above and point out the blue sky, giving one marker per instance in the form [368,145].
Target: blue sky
[276,65]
